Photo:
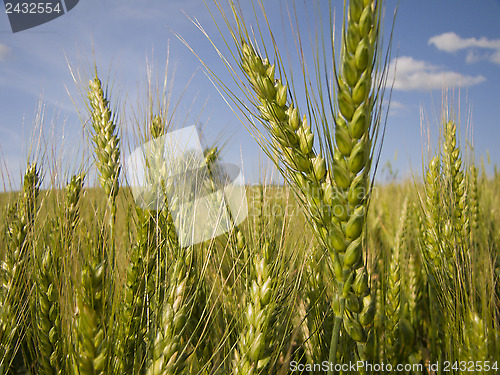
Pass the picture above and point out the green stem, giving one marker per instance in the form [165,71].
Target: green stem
[112,229]
[335,338]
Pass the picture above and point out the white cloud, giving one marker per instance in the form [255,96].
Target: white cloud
[396,108]
[414,74]
[4,52]
[451,42]
[495,57]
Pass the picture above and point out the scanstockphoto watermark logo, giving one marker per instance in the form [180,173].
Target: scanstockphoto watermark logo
[204,198]
[356,367]
[25,14]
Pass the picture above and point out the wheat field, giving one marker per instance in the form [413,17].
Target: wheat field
[330,272]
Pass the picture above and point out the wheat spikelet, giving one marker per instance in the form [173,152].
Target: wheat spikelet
[169,354]
[432,230]
[106,141]
[393,305]
[294,146]
[255,346]
[291,134]
[93,314]
[11,314]
[49,335]
[437,252]
[107,151]
[413,293]
[157,127]
[352,131]
[73,193]
[318,320]
[352,160]
[16,310]
[168,272]
[142,284]
[130,348]
[92,347]
[476,341]
[457,187]
[144,290]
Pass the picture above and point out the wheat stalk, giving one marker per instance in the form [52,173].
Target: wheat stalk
[106,149]
[94,297]
[73,194]
[393,305]
[16,310]
[106,141]
[318,319]
[255,346]
[169,355]
[141,299]
[92,340]
[49,333]
[343,185]
[353,140]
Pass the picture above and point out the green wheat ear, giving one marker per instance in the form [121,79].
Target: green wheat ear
[170,354]
[255,346]
[317,313]
[146,258]
[48,315]
[73,194]
[144,285]
[106,149]
[332,184]
[15,275]
[400,333]
[91,330]
[106,141]
[353,131]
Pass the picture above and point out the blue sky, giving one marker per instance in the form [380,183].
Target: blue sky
[437,44]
